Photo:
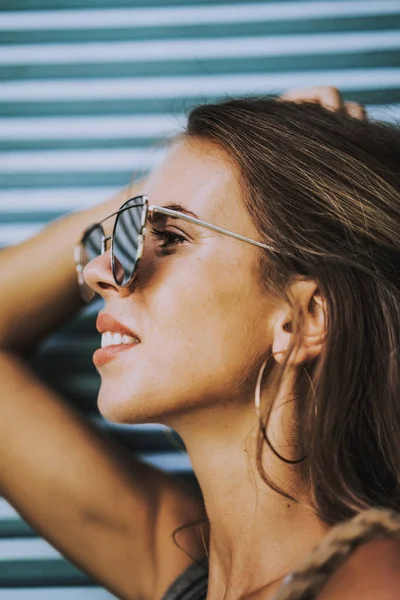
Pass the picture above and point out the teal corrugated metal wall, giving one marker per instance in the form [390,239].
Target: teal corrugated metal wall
[87,90]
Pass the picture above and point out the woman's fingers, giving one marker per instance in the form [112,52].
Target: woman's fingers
[327,96]
[356,110]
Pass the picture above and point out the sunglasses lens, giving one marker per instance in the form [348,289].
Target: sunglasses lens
[125,241]
[91,245]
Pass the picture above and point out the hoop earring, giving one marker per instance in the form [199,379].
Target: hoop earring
[257,396]
[257,405]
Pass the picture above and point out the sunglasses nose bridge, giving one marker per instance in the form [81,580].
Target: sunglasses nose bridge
[104,241]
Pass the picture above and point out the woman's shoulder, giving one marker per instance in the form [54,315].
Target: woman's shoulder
[372,571]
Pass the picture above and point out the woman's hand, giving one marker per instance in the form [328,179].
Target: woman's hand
[329,97]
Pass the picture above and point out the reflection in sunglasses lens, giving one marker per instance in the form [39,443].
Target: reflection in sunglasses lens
[125,242]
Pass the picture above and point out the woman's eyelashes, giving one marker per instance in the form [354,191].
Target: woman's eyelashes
[169,239]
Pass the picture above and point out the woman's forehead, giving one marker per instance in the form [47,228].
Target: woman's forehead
[200,177]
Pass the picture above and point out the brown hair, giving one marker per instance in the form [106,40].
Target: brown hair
[323,191]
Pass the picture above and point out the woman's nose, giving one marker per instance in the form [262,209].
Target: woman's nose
[98,274]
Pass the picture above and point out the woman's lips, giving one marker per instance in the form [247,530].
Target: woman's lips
[102,356]
[106,322]
[108,326]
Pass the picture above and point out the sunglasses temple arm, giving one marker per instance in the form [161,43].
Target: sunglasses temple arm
[178,215]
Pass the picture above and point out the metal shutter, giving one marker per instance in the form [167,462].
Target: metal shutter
[88,88]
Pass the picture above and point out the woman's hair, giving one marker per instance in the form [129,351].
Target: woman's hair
[323,189]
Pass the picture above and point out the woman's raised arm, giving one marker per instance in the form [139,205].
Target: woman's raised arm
[107,512]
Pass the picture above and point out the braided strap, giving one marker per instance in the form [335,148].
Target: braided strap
[308,580]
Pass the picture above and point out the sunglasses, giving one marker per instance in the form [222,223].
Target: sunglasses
[127,240]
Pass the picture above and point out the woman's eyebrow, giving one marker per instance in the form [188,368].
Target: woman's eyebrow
[181,209]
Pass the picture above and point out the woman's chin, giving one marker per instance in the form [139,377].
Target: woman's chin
[145,403]
[119,409]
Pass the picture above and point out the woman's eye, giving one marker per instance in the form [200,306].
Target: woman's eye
[169,238]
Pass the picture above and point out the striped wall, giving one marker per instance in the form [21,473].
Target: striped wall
[88,89]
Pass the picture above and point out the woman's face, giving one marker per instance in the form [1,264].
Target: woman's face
[196,305]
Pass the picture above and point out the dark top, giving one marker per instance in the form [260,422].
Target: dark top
[191,585]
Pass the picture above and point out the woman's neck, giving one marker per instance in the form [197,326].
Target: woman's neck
[257,536]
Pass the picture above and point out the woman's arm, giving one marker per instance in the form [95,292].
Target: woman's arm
[107,512]
[103,509]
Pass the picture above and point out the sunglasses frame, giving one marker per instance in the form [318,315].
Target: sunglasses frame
[143,201]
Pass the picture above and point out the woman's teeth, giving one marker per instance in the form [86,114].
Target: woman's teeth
[111,339]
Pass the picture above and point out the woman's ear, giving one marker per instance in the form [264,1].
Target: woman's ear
[308,301]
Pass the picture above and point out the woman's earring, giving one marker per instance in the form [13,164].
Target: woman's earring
[257,404]
[257,396]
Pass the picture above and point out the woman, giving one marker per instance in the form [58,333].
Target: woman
[262,323]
